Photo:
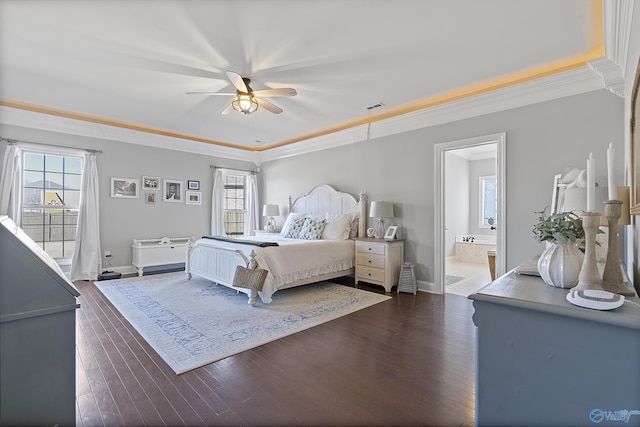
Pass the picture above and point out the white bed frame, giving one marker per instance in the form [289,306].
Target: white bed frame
[219,264]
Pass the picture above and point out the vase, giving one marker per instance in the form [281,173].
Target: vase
[560,264]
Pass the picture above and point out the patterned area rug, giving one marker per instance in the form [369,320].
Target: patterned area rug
[450,279]
[191,323]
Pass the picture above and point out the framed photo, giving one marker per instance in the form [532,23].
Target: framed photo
[150,183]
[124,188]
[193,185]
[391,232]
[193,197]
[172,191]
[150,197]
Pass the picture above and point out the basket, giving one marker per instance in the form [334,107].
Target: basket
[249,278]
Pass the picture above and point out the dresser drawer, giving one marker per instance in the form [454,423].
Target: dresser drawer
[371,247]
[370,274]
[370,260]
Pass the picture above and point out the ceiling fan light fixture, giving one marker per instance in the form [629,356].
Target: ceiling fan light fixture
[245,103]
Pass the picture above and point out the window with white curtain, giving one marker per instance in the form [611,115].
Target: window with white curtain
[488,201]
[51,196]
[234,204]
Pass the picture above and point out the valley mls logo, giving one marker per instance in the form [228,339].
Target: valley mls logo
[598,415]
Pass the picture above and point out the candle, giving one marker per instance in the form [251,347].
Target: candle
[591,184]
[611,180]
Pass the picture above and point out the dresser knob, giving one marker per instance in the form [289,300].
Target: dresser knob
[369,261]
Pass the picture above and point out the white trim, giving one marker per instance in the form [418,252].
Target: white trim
[573,82]
[439,155]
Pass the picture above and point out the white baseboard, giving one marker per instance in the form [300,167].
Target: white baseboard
[424,286]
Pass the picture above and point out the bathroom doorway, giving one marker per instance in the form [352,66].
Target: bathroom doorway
[470,213]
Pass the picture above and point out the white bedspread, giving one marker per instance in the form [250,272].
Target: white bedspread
[293,259]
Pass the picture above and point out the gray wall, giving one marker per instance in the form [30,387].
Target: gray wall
[542,140]
[456,200]
[122,220]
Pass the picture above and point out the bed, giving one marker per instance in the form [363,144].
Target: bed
[311,257]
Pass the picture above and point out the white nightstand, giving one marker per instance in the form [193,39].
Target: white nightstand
[378,261]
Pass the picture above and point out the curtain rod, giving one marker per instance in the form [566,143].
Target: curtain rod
[233,170]
[14,141]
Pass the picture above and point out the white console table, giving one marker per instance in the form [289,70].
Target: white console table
[163,251]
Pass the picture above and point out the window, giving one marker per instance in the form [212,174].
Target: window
[51,197]
[488,201]
[234,204]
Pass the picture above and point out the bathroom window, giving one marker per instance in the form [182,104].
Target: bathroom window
[488,201]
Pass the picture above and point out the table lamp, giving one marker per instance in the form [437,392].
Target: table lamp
[271,211]
[381,210]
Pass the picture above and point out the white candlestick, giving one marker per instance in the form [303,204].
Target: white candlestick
[611,180]
[591,184]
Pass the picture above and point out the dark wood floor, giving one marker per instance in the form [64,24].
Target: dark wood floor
[406,361]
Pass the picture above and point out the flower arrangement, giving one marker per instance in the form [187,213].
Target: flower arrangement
[562,227]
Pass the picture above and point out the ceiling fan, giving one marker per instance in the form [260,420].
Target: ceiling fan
[247,100]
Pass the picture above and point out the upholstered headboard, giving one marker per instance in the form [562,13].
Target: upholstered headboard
[324,198]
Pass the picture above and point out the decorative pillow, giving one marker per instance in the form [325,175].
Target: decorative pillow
[312,229]
[353,228]
[295,228]
[337,227]
[290,218]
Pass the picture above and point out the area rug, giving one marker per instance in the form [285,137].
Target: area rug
[450,279]
[191,323]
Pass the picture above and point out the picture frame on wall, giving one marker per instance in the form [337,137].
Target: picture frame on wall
[193,185]
[150,197]
[193,197]
[172,191]
[124,188]
[150,182]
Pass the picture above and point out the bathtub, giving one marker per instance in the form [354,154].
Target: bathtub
[475,251]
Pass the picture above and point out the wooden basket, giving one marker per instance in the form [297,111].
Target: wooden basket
[249,278]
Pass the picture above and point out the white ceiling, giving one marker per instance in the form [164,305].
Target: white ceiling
[128,64]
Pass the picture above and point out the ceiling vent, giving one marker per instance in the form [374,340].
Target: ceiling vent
[374,106]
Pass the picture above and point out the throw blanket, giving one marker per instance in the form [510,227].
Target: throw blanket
[242,241]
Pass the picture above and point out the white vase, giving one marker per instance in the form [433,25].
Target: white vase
[560,264]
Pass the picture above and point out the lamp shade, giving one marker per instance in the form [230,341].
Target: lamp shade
[270,210]
[381,210]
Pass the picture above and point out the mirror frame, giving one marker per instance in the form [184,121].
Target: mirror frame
[635,148]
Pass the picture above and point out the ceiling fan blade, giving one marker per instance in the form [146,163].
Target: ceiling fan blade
[268,106]
[204,92]
[237,81]
[283,91]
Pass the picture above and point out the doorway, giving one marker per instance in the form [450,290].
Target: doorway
[470,214]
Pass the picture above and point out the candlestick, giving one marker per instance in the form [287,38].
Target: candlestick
[612,280]
[589,277]
[591,183]
[611,180]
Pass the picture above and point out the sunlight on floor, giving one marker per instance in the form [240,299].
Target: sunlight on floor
[475,276]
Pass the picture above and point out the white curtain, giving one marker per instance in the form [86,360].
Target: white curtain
[86,262]
[10,195]
[217,204]
[252,217]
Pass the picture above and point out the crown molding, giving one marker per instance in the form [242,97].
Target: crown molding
[568,83]
[45,122]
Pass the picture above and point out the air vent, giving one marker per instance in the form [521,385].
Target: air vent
[374,106]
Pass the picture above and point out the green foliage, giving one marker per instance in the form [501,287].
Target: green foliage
[563,227]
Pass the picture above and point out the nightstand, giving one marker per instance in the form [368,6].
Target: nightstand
[378,261]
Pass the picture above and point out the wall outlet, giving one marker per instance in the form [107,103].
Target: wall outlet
[107,254]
